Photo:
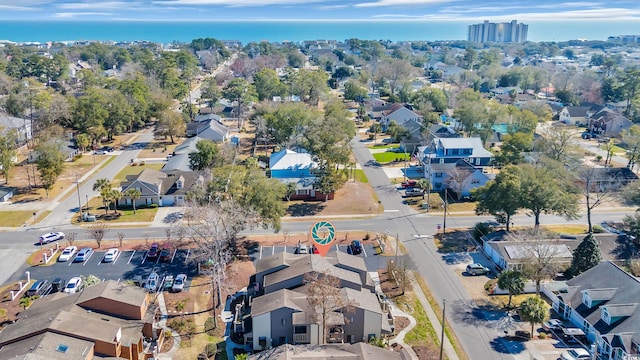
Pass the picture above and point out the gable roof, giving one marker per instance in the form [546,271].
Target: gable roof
[282,298]
[474,143]
[215,132]
[605,277]
[290,160]
[188,146]
[179,162]
[578,111]
[357,351]
[309,264]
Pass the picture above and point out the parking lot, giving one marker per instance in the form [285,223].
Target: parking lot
[126,266]
[372,260]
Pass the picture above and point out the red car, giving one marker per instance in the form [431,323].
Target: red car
[314,250]
[153,251]
[408,184]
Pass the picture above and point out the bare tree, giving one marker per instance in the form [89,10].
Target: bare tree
[120,238]
[71,237]
[97,231]
[597,189]
[558,144]
[327,299]
[214,230]
[541,258]
[456,180]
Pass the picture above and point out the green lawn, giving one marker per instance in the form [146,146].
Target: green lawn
[360,176]
[387,157]
[134,170]
[126,214]
[384,146]
[423,334]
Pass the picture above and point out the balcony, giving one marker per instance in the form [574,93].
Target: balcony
[301,338]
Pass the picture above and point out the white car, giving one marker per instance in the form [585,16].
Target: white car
[152,282]
[68,253]
[575,354]
[52,236]
[74,285]
[178,283]
[302,249]
[110,255]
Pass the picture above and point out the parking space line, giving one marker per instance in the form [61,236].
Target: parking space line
[158,260]
[273,250]
[131,257]
[89,258]
[144,258]
[187,256]
[364,251]
[175,251]
[99,262]
[260,257]
[117,257]
[71,261]
[285,248]
[337,248]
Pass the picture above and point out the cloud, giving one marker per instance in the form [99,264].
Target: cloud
[237,3]
[117,5]
[380,3]
[17,8]
[594,14]
[70,15]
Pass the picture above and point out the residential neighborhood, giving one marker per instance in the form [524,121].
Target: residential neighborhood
[352,199]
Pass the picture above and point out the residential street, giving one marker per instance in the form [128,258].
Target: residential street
[412,228]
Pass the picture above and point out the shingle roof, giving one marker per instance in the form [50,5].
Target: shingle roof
[474,143]
[310,264]
[357,351]
[283,298]
[45,346]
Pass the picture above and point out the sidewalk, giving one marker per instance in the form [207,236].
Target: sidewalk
[163,323]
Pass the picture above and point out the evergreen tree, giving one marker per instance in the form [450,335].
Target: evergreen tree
[585,256]
[512,281]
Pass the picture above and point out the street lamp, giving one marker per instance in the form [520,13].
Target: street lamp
[444,306]
[79,202]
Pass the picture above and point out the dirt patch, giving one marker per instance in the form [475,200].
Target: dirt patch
[427,352]
[400,323]
[353,198]
[454,242]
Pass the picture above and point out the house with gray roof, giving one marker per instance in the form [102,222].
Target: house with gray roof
[460,177]
[208,126]
[280,311]
[164,188]
[296,167]
[575,115]
[603,302]
[20,125]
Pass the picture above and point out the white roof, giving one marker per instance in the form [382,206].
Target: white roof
[288,159]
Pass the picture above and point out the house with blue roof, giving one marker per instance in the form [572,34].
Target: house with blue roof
[291,167]
[451,150]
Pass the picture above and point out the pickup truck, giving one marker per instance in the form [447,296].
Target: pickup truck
[408,184]
[413,192]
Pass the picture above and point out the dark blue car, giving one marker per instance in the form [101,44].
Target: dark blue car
[355,247]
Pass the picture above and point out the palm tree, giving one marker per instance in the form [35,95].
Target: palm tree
[425,186]
[115,196]
[534,310]
[133,194]
[375,129]
[106,195]
[512,281]
[103,186]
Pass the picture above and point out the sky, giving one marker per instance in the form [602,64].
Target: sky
[395,10]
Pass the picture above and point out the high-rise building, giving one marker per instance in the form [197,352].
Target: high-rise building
[498,32]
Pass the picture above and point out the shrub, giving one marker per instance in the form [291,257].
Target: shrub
[77,156]
[542,336]
[366,236]
[210,349]
[490,285]
[209,326]
[597,229]
[168,333]
[180,305]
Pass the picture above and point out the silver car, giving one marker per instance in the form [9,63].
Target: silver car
[477,269]
[179,282]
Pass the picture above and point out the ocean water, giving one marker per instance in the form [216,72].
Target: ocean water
[278,31]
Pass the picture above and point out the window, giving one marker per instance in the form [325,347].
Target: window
[438,175]
[441,161]
[283,322]
[62,348]
[586,300]
[477,161]
[282,340]
[475,181]
[302,192]
[605,315]
[299,329]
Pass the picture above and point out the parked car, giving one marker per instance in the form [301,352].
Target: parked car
[152,282]
[552,325]
[83,255]
[413,192]
[301,249]
[153,251]
[39,288]
[107,149]
[110,255]
[168,282]
[179,282]
[52,236]
[74,285]
[99,152]
[408,184]
[477,269]
[355,247]
[573,336]
[58,284]
[165,253]
[575,354]
[68,253]
[314,250]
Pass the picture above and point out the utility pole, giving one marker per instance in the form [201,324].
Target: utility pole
[444,306]
[79,201]
[444,221]
[397,245]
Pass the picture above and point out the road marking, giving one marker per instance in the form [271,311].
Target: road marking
[175,251]
[337,248]
[116,258]
[71,261]
[364,251]
[285,248]
[273,250]
[260,257]
[144,258]
[131,257]
[187,256]
[392,210]
[89,258]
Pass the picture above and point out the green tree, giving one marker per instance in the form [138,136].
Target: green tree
[534,310]
[171,124]
[375,128]
[629,83]
[547,188]
[8,141]
[268,84]
[206,156]
[512,281]
[430,98]
[631,225]
[103,187]
[585,256]
[513,147]
[501,197]
[83,141]
[210,92]
[354,90]
[241,92]
[631,138]
[133,194]
[289,120]
[309,85]
[50,163]
[425,186]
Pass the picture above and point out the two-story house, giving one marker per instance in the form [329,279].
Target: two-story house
[281,313]
[575,115]
[109,319]
[603,301]
[460,177]
[161,188]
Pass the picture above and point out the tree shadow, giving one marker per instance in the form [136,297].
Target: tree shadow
[485,315]
[305,209]
[625,248]
[508,345]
